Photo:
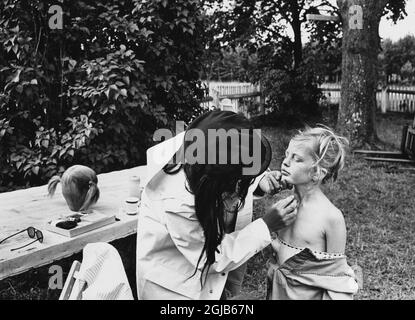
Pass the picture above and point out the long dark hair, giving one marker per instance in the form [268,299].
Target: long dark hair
[209,182]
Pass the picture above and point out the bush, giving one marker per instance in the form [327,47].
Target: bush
[292,93]
[291,90]
[95,91]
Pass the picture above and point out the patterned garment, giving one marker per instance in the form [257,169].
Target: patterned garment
[102,274]
[310,275]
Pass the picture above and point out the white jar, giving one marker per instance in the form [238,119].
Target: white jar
[134,188]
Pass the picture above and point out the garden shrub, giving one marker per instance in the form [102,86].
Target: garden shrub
[94,91]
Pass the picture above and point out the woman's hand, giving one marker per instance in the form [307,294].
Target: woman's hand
[271,183]
[281,214]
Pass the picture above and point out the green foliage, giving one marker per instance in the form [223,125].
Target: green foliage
[95,91]
[398,58]
[230,65]
[260,28]
[292,93]
[289,71]
[395,9]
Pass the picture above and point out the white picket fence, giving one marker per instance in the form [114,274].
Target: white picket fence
[227,95]
[396,98]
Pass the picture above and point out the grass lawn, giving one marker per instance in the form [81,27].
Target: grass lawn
[378,202]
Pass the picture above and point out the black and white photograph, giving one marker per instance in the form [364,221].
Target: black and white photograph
[234,151]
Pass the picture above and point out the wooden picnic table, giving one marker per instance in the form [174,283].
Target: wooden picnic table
[33,207]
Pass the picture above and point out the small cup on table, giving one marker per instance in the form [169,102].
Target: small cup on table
[131,205]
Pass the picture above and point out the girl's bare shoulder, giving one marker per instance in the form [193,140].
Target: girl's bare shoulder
[330,212]
[334,218]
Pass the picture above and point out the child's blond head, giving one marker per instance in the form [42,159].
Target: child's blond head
[327,149]
[79,187]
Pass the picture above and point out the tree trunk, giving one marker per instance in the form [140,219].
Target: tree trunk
[296,26]
[361,45]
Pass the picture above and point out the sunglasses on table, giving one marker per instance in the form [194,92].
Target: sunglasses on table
[32,233]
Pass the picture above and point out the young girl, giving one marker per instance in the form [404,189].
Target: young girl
[79,187]
[309,254]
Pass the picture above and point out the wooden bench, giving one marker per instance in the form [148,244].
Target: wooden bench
[32,207]
[408,141]
[405,155]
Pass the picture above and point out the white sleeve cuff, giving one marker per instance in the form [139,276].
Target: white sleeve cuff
[263,230]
